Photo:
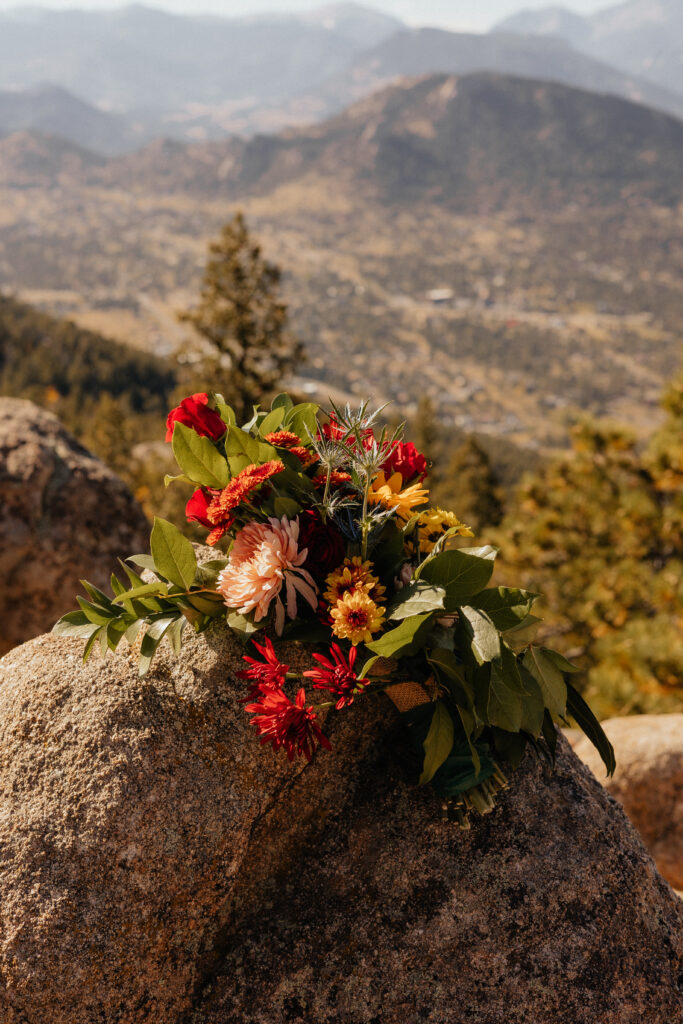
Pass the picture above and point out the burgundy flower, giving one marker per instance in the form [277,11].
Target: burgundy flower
[286,724]
[263,675]
[324,543]
[406,460]
[195,510]
[195,412]
[337,676]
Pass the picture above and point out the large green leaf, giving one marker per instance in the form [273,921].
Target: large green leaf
[452,674]
[505,606]
[504,704]
[301,420]
[152,638]
[198,458]
[75,624]
[461,575]
[559,661]
[404,639]
[533,709]
[244,450]
[155,589]
[586,720]
[173,554]
[522,635]
[549,678]
[483,636]
[272,421]
[438,743]
[414,599]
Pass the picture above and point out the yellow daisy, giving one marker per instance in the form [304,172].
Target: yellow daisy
[434,522]
[389,494]
[356,617]
[353,574]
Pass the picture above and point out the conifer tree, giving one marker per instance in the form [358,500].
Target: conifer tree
[468,485]
[241,316]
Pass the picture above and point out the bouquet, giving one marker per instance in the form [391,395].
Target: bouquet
[325,536]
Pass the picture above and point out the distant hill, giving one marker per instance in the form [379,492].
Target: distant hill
[32,159]
[428,50]
[53,110]
[642,37]
[478,141]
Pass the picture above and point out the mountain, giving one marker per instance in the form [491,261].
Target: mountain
[138,57]
[51,109]
[427,50]
[481,141]
[642,37]
[35,160]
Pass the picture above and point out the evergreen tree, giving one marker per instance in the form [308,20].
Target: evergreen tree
[600,534]
[468,486]
[241,316]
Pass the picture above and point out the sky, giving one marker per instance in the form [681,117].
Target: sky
[476,15]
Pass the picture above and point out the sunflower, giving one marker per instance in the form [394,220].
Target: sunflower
[434,522]
[389,494]
[356,617]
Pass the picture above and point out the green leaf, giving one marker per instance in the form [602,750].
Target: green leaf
[586,720]
[452,674]
[225,411]
[173,554]
[96,595]
[207,605]
[282,401]
[286,507]
[438,743]
[559,661]
[75,624]
[405,639]
[242,625]
[302,420]
[170,479]
[94,613]
[272,421]
[155,589]
[522,635]
[367,666]
[143,561]
[550,734]
[468,725]
[549,678]
[198,458]
[92,640]
[504,704]
[153,637]
[483,636]
[505,606]
[533,709]
[174,634]
[461,575]
[486,551]
[244,450]
[414,599]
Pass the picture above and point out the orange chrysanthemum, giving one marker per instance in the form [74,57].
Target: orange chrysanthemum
[219,512]
[305,456]
[356,617]
[283,439]
[337,478]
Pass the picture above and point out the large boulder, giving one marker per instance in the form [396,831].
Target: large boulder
[648,782]
[63,516]
[157,866]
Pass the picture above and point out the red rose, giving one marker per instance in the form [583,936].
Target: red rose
[406,460]
[195,510]
[195,412]
[324,543]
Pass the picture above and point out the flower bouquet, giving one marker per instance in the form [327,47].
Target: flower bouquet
[325,536]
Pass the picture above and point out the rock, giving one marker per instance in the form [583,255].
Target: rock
[126,808]
[648,782]
[64,517]
[157,866]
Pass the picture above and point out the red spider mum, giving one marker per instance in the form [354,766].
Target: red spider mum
[194,412]
[283,439]
[337,676]
[264,675]
[220,510]
[288,725]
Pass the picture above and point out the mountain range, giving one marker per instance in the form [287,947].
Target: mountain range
[113,80]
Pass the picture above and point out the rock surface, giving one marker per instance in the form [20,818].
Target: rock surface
[648,782]
[63,516]
[158,867]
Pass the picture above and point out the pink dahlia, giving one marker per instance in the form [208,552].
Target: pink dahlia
[264,559]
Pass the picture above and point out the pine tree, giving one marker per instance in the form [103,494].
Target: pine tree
[241,316]
[468,485]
